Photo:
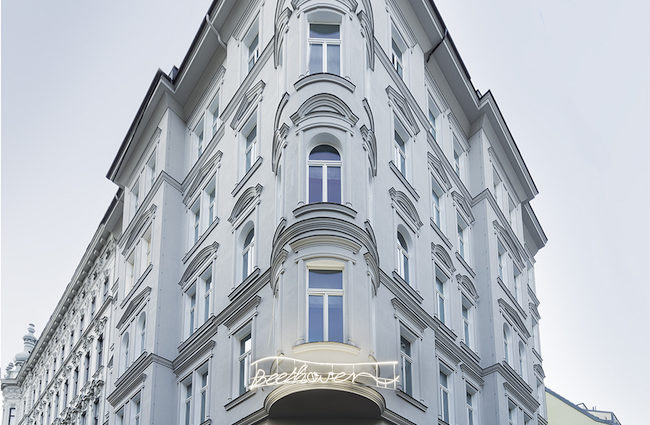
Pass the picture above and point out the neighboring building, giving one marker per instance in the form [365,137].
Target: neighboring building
[562,412]
[318,186]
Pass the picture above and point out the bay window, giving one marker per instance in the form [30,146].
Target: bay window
[324,175]
[324,48]
[325,305]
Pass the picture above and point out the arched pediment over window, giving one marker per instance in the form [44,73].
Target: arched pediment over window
[514,316]
[438,170]
[198,261]
[246,199]
[466,283]
[440,253]
[280,132]
[462,203]
[406,206]
[324,105]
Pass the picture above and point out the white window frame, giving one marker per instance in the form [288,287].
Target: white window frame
[250,152]
[437,203]
[324,165]
[440,297]
[214,110]
[248,266]
[244,359]
[324,43]
[433,112]
[467,321]
[191,309]
[206,280]
[462,239]
[507,344]
[401,156]
[136,410]
[325,293]
[195,222]
[445,390]
[471,401]
[251,57]
[403,263]
[407,359]
[398,58]
[187,400]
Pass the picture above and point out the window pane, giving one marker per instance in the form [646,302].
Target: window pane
[329,31]
[326,279]
[408,387]
[315,184]
[324,153]
[334,184]
[315,58]
[334,59]
[335,318]
[396,50]
[405,346]
[315,318]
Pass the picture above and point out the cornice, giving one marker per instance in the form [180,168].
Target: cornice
[406,206]
[514,384]
[409,314]
[324,77]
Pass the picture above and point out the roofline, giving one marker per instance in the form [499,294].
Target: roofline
[581,410]
[57,310]
[119,157]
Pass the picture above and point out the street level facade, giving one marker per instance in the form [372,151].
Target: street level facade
[318,220]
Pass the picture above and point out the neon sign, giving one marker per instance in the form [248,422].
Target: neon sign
[280,370]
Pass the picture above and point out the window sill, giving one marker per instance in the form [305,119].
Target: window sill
[439,232]
[326,78]
[247,176]
[404,181]
[201,239]
[408,288]
[244,284]
[404,396]
[324,206]
[241,398]
[465,264]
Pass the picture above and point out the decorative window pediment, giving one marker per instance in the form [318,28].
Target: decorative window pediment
[509,242]
[438,170]
[133,306]
[246,199]
[205,170]
[367,20]
[463,205]
[514,316]
[441,254]
[137,227]
[351,5]
[198,261]
[400,105]
[539,370]
[406,206]
[324,105]
[247,105]
[467,284]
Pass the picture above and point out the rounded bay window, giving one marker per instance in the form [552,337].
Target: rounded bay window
[324,174]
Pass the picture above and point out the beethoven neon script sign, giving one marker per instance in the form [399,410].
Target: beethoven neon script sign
[280,370]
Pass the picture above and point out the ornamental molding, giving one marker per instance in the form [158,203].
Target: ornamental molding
[316,241]
[367,20]
[404,312]
[249,101]
[439,171]
[400,199]
[137,227]
[510,243]
[539,370]
[133,306]
[246,309]
[324,105]
[369,139]
[404,112]
[197,262]
[280,132]
[324,77]
[249,197]
[441,254]
[204,171]
[281,26]
[324,208]
[533,311]
[351,5]
[463,205]
[514,317]
[467,284]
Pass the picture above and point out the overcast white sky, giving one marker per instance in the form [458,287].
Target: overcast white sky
[572,78]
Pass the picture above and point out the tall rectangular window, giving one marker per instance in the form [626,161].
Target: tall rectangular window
[191,309]
[399,148]
[432,114]
[195,217]
[398,47]
[100,350]
[130,272]
[187,405]
[213,109]
[86,367]
[459,153]
[436,202]
[151,169]
[206,277]
[253,47]
[501,262]
[145,251]
[211,192]
[250,153]
[440,299]
[462,232]
[325,305]
[519,293]
[136,411]
[324,48]
[443,395]
[406,365]
[135,197]
[245,347]
[512,413]
[469,405]
[96,412]
[467,322]
[198,135]
[204,396]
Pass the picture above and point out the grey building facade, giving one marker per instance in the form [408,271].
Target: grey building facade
[319,219]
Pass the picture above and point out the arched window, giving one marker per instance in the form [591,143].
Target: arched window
[522,359]
[506,343]
[124,355]
[248,251]
[324,174]
[142,324]
[402,257]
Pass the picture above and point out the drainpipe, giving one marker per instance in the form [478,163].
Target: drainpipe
[430,52]
[207,19]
